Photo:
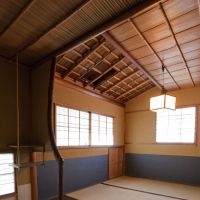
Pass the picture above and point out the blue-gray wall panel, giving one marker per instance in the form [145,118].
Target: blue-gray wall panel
[78,173]
[182,169]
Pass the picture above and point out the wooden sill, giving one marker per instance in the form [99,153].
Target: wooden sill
[88,147]
[5,196]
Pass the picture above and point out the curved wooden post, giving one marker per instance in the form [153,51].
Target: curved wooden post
[51,130]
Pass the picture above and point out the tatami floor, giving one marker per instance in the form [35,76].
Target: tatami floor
[130,188]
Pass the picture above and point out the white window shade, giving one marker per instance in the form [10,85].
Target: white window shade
[162,102]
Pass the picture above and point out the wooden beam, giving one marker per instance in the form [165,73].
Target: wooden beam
[7,60]
[151,49]
[112,41]
[93,93]
[16,18]
[132,89]
[84,57]
[199,6]
[121,81]
[80,6]
[106,71]
[93,66]
[177,44]
[100,29]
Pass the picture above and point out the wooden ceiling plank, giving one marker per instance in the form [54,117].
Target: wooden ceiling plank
[106,71]
[109,38]
[83,58]
[80,6]
[121,81]
[199,6]
[177,44]
[132,89]
[151,49]
[135,10]
[16,18]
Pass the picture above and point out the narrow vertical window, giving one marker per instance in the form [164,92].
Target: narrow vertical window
[7,175]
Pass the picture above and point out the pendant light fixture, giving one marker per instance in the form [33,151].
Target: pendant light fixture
[163,101]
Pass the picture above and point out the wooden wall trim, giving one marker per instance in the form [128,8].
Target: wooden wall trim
[70,85]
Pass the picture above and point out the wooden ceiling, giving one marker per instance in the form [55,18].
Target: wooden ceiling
[127,60]
[105,46]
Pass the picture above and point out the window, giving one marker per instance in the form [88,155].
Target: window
[102,130]
[176,126]
[7,176]
[78,128]
[72,127]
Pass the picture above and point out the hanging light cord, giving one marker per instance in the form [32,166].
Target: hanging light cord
[163,71]
[17,108]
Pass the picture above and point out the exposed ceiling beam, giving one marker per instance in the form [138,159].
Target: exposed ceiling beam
[93,67]
[106,71]
[121,81]
[80,6]
[16,18]
[177,44]
[152,50]
[100,29]
[115,43]
[132,89]
[84,57]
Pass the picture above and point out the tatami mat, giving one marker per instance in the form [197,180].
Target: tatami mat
[129,188]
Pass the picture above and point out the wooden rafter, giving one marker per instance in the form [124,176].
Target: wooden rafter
[100,29]
[106,71]
[93,67]
[80,6]
[121,81]
[138,92]
[132,89]
[151,49]
[109,38]
[84,57]
[177,44]
[16,18]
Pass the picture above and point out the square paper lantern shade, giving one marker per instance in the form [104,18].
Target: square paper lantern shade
[162,102]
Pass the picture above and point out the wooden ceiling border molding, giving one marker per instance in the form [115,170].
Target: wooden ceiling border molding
[121,81]
[151,49]
[135,10]
[177,44]
[84,57]
[132,89]
[93,93]
[54,26]
[111,40]
[16,18]
[107,70]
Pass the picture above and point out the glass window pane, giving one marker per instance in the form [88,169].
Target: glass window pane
[7,176]
[176,126]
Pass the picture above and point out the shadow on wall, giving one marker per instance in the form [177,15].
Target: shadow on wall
[78,173]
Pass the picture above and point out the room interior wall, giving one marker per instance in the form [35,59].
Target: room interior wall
[8,115]
[88,165]
[145,157]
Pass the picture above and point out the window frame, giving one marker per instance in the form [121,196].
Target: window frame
[90,113]
[13,194]
[195,131]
